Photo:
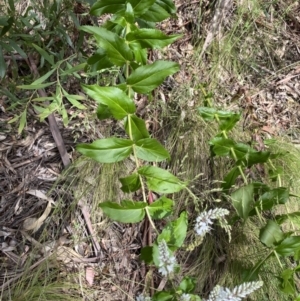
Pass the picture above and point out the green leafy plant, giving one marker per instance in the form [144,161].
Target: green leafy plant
[123,41]
[254,198]
[33,38]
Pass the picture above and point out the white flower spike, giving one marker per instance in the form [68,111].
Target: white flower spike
[204,220]
[220,293]
[167,262]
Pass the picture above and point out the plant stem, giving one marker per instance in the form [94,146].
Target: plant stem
[278,259]
[137,163]
[151,221]
[261,263]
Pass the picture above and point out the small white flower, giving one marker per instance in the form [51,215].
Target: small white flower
[185,297]
[167,262]
[141,297]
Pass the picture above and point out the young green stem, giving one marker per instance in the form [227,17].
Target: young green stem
[278,259]
[257,266]
[137,163]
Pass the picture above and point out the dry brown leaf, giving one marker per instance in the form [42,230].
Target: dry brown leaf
[268,129]
[89,275]
[39,194]
[66,254]
[33,223]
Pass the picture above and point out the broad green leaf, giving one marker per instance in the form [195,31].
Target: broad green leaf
[127,212]
[273,197]
[248,155]
[129,14]
[208,114]
[120,20]
[151,150]
[155,13]
[99,61]
[43,78]
[139,54]
[117,101]
[145,24]
[123,87]
[288,246]
[175,232]
[242,200]
[107,6]
[293,217]
[161,180]
[2,64]
[140,6]
[167,5]
[131,183]
[151,38]
[251,274]
[146,78]
[260,188]
[135,127]
[161,208]
[115,47]
[103,112]
[221,146]
[163,296]
[271,234]
[108,150]
[3,20]
[227,119]
[146,254]
[278,155]
[187,284]
[227,124]
[113,25]
[35,87]
[230,178]
[44,54]
[287,282]
[22,121]
[274,173]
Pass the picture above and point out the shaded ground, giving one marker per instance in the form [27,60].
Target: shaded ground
[250,61]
